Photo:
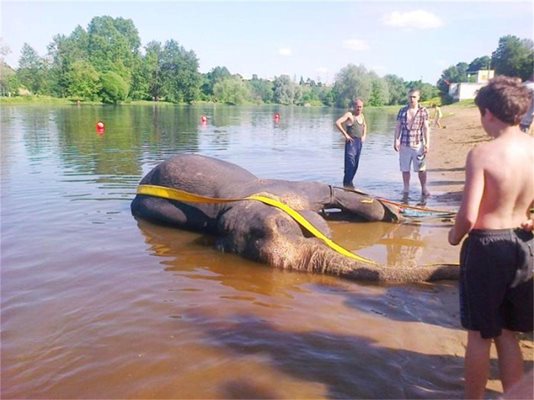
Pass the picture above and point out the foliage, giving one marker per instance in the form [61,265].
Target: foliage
[32,72]
[396,89]
[453,74]
[261,90]
[84,81]
[9,83]
[179,72]
[514,57]
[352,82]
[479,63]
[113,45]
[231,90]
[216,75]
[379,92]
[283,90]
[113,88]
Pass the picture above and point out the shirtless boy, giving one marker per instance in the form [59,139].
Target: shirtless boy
[496,258]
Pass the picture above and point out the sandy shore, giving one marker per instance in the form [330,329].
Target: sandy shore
[449,147]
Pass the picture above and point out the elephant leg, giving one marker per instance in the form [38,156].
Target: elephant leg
[172,213]
[363,206]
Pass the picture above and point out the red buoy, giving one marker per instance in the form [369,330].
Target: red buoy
[277,117]
[100,127]
[203,119]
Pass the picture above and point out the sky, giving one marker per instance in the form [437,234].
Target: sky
[310,39]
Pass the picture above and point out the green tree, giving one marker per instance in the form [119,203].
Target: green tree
[8,78]
[479,63]
[231,90]
[379,95]
[352,82]
[179,70]
[514,57]
[113,88]
[396,89]
[454,74]
[217,74]
[64,52]
[283,90]
[84,81]
[261,90]
[113,45]
[152,63]
[32,72]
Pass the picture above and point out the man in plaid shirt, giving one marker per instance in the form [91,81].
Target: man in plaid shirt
[412,141]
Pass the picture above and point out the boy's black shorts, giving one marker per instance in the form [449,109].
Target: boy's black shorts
[496,286]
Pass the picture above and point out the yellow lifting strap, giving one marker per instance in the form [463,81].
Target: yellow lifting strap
[180,195]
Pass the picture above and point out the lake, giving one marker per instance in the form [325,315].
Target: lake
[98,305]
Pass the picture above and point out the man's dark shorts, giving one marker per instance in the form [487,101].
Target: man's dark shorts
[496,286]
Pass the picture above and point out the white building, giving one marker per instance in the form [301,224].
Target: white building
[468,90]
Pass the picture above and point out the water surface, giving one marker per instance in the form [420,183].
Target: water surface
[98,305]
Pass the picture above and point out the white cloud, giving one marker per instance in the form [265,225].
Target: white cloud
[355,44]
[284,51]
[417,19]
[322,70]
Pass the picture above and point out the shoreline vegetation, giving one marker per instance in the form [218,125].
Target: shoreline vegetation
[50,100]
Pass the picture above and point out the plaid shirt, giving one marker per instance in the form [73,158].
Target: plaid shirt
[412,137]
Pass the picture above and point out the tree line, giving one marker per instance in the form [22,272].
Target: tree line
[105,63]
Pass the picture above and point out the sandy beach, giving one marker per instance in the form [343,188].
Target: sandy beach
[448,150]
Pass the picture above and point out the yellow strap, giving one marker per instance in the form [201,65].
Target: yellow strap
[180,195]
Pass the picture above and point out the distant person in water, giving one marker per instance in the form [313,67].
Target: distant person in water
[497,257]
[354,128]
[412,141]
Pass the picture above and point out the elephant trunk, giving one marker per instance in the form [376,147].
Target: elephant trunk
[317,259]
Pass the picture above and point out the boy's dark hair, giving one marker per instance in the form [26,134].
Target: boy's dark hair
[506,98]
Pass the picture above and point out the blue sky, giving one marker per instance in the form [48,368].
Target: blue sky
[312,39]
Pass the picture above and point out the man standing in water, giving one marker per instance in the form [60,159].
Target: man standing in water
[354,128]
[412,141]
[496,259]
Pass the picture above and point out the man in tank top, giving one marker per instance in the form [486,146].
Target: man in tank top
[354,128]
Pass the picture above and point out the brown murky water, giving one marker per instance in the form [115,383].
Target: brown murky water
[98,305]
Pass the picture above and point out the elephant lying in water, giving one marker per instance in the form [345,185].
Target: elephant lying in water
[264,233]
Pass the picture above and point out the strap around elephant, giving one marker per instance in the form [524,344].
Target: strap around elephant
[181,195]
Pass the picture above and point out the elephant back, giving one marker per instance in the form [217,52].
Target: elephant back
[201,175]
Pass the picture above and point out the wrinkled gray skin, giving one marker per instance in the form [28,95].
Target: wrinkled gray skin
[264,233]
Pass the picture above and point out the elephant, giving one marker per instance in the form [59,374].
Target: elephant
[264,233]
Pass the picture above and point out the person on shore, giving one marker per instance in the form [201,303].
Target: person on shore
[437,116]
[412,141]
[354,128]
[496,259]
[526,121]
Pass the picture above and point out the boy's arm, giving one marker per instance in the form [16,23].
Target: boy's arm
[473,190]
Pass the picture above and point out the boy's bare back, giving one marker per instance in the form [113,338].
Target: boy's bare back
[507,168]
